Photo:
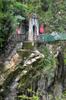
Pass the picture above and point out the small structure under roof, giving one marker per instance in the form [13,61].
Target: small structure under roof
[33,28]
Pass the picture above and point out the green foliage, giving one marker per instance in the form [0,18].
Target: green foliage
[47,64]
[12,12]
[64,95]
[23,97]
[51,12]
[11,15]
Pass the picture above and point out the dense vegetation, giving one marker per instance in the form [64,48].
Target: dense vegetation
[52,13]
[11,15]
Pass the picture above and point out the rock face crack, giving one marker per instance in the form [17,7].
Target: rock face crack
[13,90]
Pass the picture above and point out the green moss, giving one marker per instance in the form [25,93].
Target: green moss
[24,53]
[28,45]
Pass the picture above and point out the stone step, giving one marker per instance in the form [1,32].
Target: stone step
[28,45]
[24,52]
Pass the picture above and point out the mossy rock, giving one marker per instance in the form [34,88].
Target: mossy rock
[24,52]
[28,45]
[9,80]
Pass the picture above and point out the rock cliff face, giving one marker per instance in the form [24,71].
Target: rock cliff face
[10,59]
[13,87]
[29,54]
